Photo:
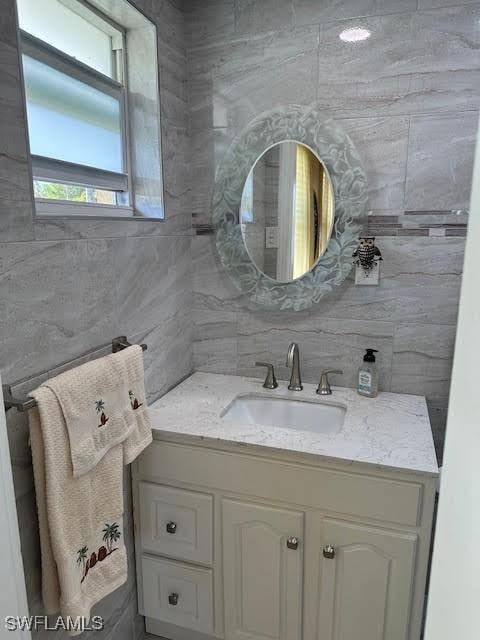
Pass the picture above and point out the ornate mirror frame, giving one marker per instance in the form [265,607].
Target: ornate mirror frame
[349,182]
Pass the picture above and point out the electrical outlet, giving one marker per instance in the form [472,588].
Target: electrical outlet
[367,278]
[271,237]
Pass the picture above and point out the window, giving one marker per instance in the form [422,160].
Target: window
[76,101]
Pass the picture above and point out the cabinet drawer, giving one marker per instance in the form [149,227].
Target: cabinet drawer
[177,593]
[176,523]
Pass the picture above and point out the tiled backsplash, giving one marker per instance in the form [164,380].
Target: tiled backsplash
[435,224]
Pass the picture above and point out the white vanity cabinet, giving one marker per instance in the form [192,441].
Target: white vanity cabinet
[365,583]
[279,546]
[262,571]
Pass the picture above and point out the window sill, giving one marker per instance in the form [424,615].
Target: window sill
[65,209]
[49,209]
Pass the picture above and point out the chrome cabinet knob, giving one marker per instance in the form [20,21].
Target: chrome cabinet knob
[171,527]
[292,543]
[329,552]
[173,599]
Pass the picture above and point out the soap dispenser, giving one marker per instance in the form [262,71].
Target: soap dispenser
[368,375]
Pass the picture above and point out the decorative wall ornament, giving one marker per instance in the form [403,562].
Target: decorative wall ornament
[367,254]
[341,159]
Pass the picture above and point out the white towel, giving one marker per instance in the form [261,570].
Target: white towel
[103,403]
[80,518]
[78,471]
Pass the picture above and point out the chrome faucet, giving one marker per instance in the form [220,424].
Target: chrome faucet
[293,360]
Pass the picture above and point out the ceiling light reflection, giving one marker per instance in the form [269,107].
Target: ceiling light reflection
[355,34]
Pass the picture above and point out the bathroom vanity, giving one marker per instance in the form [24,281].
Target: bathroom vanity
[308,519]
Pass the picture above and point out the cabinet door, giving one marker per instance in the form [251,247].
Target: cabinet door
[262,573]
[366,586]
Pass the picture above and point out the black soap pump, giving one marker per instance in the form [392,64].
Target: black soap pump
[368,375]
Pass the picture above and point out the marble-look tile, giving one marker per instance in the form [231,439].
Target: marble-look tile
[324,344]
[168,358]
[382,145]
[90,300]
[432,62]
[437,4]
[311,11]
[208,147]
[416,42]
[8,22]
[212,324]
[235,79]
[29,543]
[12,126]
[440,161]
[57,301]
[419,282]
[434,92]
[175,143]
[153,281]
[172,59]
[169,19]
[213,289]
[422,360]
[206,19]
[15,184]
[218,355]
[269,15]
[173,97]
[215,340]
[135,227]
[20,454]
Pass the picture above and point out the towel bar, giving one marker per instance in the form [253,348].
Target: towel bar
[10,402]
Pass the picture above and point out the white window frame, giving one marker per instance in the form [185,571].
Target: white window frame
[53,170]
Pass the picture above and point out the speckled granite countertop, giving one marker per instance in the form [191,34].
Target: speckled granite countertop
[389,431]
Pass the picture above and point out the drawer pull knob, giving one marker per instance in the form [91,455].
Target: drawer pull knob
[171,527]
[173,599]
[292,543]
[329,552]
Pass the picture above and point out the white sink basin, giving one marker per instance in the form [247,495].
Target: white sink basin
[286,413]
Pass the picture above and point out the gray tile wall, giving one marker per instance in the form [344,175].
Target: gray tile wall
[409,98]
[68,286]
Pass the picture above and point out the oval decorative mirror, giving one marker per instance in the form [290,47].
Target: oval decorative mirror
[289,205]
[287,211]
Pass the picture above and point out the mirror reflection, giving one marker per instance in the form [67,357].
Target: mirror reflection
[287,211]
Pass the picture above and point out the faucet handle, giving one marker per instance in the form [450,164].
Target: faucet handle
[324,388]
[270,380]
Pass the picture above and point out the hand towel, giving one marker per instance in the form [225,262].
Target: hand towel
[103,403]
[80,518]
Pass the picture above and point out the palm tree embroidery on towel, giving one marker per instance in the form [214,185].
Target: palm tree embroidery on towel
[82,559]
[133,401]
[111,534]
[100,406]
